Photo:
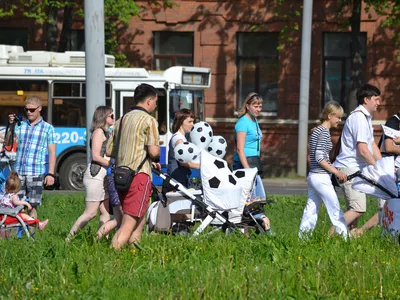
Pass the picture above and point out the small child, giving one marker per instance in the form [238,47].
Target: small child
[10,199]
[260,215]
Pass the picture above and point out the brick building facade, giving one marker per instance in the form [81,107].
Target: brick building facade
[238,40]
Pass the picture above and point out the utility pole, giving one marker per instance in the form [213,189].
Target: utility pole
[94,62]
[304,87]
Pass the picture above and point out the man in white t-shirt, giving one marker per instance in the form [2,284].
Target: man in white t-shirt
[358,149]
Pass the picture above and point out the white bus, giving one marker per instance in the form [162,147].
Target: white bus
[59,79]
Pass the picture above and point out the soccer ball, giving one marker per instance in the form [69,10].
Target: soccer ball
[221,188]
[201,135]
[186,152]
[218,146]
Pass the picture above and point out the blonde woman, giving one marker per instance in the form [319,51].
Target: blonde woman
[95,175]
[248,134]
[320,188]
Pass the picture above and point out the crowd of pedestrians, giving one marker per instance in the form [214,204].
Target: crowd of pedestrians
[357,150]
[140,152]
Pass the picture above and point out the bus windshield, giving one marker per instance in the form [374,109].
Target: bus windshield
[190,99]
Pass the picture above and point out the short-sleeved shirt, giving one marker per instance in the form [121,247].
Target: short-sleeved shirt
[394,123]
[357,129]
[5,200]
[253,136]
[320,146]
[139,130]
[32,147]
[172,162]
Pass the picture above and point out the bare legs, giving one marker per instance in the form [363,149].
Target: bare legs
[90,212]
[351,218]
[129,232]
[111,224]
[33,212]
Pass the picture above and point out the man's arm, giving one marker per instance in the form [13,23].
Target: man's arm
[375,151]
[362,148]
[49,180]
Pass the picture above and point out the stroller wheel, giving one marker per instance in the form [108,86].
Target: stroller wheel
[180,229]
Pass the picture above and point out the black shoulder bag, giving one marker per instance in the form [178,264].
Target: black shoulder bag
[123,175]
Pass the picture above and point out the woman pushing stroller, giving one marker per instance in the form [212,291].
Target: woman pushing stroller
[248,136]
[182,125]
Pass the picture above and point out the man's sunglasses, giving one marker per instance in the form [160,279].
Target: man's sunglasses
[31,110]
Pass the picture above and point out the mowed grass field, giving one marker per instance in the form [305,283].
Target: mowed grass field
[208,267]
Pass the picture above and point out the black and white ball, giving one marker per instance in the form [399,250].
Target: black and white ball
[218,146]
[201,135]
[186,152]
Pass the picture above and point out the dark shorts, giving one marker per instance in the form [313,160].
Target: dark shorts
[136,201]
[252,161]
[32,188]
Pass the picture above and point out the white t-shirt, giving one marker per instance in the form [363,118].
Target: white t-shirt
[172,162]
[357,128]
[176,137]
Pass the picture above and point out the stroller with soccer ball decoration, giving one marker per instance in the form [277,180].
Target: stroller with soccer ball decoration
[379,181]
[224,201]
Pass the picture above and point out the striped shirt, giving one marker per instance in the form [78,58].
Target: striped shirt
[139,129]
[32,146]
[320,146]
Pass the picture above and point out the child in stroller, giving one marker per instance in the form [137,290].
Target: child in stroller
[10,199]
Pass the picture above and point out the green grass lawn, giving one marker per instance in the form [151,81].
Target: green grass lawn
[210,267]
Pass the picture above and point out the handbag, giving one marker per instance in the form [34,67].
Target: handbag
[123,175]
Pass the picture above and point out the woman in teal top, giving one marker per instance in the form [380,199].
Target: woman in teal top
[248,135]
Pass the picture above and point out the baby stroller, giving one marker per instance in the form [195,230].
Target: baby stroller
[221,203]
[12,225]
[380,181]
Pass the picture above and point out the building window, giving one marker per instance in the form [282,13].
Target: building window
[14,36]
[337,67]
[77,40]
[258,67]
[172,49]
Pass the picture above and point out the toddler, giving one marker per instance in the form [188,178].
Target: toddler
[10,199]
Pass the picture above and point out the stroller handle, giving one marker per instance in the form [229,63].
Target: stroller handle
[354,175]
[156,171]
[373,182]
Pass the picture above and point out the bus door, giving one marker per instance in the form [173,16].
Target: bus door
[124,102]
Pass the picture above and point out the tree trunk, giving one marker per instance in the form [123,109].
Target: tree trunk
[65,38]
[356,59]
[52,29]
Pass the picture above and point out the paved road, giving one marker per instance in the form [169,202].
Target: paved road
[285,187]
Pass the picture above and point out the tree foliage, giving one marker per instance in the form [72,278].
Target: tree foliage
[117,15]
[390,9]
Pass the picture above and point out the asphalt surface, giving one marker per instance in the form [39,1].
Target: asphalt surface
[275,186]
[285,187]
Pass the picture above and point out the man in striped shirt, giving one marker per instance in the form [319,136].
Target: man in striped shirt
[139,142]
[35,138]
